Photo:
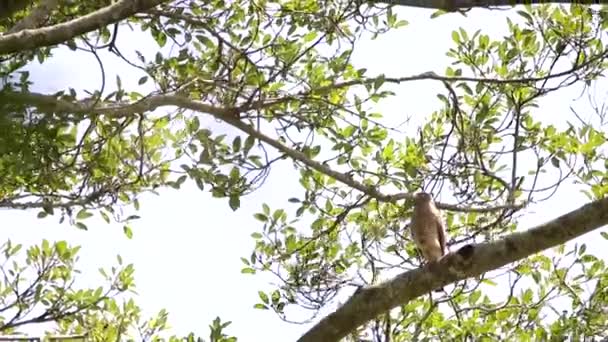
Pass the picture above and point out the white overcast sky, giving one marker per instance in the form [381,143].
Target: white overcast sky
[186,247]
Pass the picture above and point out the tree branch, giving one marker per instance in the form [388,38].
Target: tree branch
[469,261]
[52,35]
[229,116]
[370,191]
[429,75]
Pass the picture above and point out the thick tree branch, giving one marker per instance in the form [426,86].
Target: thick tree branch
[454,5]
[471,260]
[52,35]
[230,116]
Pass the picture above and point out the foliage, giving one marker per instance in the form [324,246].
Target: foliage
[280,73]
[39,286]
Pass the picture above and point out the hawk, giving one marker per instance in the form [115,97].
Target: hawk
[427,228]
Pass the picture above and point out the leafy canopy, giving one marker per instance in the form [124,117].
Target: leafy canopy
[280,73]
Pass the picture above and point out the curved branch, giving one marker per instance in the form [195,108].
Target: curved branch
[52,35]
[346,179]
[469,261]
[229,116]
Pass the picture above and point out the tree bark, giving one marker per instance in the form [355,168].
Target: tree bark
[56,34]
[469,261]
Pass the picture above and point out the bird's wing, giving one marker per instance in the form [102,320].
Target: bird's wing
[413,224]
[441,234]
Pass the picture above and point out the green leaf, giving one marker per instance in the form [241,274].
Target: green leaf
[279,213]
[263,297]
[489,282]
[527,296]
[249,143]
[437,13]
[310,36]
[234,202]
[401,23]
[127,231]
[105,216]
[83,214]
[81,225]
[236,144]
[61,247]
[474,297]
[526,16]
[260,217]
[235,173]
[248,270]
[455,37]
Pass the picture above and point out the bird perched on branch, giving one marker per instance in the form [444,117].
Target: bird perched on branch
[427,228]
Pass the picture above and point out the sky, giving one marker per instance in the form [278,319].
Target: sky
[187,245]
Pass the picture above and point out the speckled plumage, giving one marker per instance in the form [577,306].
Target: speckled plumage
[427,228]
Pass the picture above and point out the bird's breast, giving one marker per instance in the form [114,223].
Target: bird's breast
[424,230]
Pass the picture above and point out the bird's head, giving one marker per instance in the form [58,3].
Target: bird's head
[422,197]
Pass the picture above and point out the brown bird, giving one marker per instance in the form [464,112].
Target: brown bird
[427,228]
